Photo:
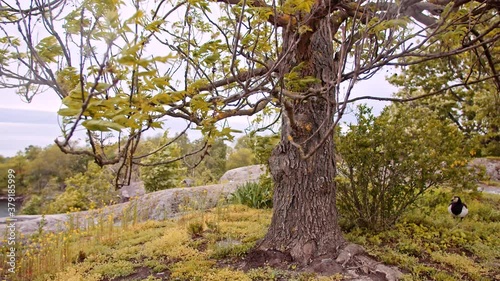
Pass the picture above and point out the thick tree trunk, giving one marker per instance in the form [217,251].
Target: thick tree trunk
[304,222]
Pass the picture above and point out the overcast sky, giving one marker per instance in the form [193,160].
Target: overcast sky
[36,123]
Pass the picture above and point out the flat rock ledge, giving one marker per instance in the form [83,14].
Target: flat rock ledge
[243,174]
[160,205]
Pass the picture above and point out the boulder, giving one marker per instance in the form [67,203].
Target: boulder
[490,165]
[160,205]
[135,189]
[187,182]
[243,174]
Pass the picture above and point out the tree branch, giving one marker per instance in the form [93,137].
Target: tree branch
[400,100]
[276,19]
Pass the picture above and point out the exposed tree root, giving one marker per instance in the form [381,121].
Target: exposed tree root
[352,262]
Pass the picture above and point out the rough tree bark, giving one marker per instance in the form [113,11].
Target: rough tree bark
[304,222]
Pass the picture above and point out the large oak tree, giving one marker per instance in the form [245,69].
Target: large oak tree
[122,68]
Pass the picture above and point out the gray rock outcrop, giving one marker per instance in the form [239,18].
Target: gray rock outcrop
[243,174]
[134,189]
[158,205]
[491,167]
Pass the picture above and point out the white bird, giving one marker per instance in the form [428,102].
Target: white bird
[457,208]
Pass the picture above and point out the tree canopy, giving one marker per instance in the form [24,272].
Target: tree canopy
[122,68]
[463,88]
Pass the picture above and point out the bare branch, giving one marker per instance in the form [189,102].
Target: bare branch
[435,93]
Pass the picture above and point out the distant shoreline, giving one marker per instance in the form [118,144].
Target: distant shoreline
[4,203]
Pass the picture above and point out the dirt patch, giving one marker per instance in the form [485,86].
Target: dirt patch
[323,266]
[460,251]
[199,243]
[260,258]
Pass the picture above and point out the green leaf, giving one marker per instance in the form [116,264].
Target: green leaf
[100,87]
[154,25]
[127,60]
[102,125]
[72,102]
[163,98]
[158,125]
[121,119]
[198,102]
[147,73]
[48,49]
[69,112]
[212,59]
[164,59]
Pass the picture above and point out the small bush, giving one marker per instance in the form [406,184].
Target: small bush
[157,264]
[164,176]
[32,206]
[386,163]
[72,199]
[429,244]
[254,195]
[195,229]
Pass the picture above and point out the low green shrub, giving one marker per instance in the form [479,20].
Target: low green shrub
[427,243]
[195,228]
[386,163]
[114,269]
[32,206]
[254,195]
[225,250]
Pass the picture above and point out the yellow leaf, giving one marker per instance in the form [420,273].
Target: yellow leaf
[68,112]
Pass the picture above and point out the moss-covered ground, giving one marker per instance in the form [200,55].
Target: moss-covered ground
[426,244]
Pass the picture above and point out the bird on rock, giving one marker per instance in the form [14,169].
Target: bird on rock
[457,208]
